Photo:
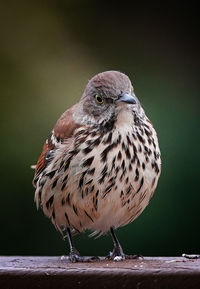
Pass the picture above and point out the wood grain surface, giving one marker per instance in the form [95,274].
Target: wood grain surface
[55,272]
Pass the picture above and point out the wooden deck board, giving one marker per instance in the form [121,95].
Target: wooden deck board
[52,272]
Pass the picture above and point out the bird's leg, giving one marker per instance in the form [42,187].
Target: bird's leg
[74,255]
[117,253]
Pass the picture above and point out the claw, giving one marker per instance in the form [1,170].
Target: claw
[194,256]
[75,258]
[120,256]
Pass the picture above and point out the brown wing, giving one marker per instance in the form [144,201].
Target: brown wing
[42,161]
[63,129]
[65,126]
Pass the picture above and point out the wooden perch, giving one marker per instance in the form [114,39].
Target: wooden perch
[52,272]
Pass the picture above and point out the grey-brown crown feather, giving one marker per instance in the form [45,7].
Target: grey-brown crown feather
[110,82]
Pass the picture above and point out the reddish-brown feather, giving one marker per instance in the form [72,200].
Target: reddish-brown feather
[41,163]
[65,126]
[63,130]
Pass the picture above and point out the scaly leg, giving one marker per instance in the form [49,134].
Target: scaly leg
[117,253]
[74,255]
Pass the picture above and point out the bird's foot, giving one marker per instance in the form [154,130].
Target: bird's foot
[193,256]
[129,257]
[118,255]
[74,257]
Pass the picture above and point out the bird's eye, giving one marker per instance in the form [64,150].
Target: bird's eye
[99,99]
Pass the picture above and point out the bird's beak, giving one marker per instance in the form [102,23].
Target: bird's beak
[128,98]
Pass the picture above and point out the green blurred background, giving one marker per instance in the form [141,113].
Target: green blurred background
[49,50]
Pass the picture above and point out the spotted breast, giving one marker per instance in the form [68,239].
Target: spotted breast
[100,165]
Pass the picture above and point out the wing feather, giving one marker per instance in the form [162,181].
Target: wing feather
[63,130]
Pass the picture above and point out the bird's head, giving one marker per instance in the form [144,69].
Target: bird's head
[105,95]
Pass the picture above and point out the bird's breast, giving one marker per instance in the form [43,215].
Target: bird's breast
[105,179]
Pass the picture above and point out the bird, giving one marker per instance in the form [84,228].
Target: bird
[100,165]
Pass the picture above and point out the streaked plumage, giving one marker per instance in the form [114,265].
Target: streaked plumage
[100,165]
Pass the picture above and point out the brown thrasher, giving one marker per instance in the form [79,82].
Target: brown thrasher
[100,165]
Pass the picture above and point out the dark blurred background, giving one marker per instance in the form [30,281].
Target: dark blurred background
[49,50]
